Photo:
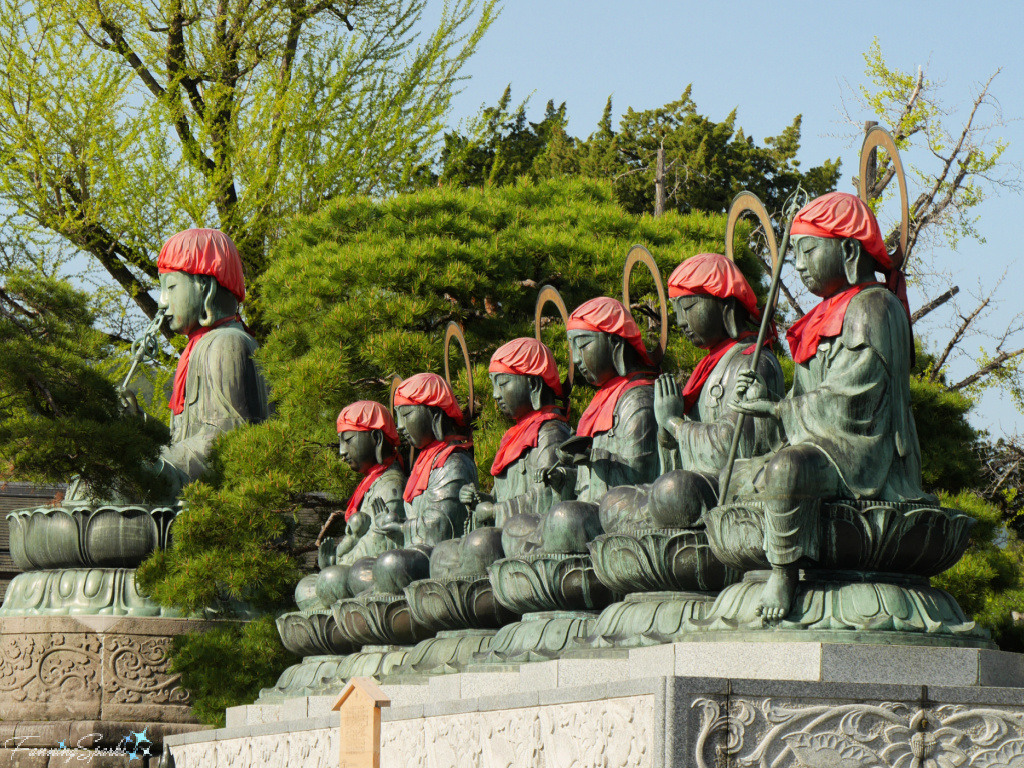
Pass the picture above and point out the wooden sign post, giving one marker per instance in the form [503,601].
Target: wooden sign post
[359,705]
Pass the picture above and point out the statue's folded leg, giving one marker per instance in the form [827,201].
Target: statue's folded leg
[796,479]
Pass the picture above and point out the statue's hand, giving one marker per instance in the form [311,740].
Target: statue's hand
[130,405]
[668,401]
[471,496]
[483,515]
[327,556]
[385,521]
[750,396]
[555,477]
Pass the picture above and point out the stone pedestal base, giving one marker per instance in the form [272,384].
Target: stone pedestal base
[648,618]
[323,675]
[91,668]
[449,652]
[683,705]
[848,607]
[538,637]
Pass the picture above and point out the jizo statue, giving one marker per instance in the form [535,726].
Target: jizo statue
[616,440]
[429,418]
[715,308]
[525,384]
[368,442]
[847,420]
[217,386]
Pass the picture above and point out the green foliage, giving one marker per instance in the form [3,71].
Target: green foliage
[363,291]
[228,665]
[948,442]
[988,582]
[60,413]
[706,163]
[123,122]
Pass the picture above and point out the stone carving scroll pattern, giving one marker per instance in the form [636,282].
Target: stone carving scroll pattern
[751,733]
[65,666]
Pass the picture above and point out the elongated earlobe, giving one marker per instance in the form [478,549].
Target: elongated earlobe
[208,315]
[437,423]
[536,393]
[619,355]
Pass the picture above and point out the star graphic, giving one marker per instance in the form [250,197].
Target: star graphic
[62,745]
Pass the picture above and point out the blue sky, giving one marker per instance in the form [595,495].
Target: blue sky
[772,61]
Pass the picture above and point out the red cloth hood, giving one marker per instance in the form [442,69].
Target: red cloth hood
[366,415]
[711,274]
[204,252]
[605,315]
[527,357]
[429,389]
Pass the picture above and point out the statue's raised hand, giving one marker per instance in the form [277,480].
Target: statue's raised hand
[668,401]
[750,396]
[385,521]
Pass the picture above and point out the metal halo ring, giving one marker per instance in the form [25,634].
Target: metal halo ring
[396,382]
[454,331]
[640,254]
[549,295]
[879,137]
[743,202]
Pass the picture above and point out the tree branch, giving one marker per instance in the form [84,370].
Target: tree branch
[935,303]
[957,337]
[997,362]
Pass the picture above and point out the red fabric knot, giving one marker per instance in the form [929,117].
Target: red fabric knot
[368,480]
[523,436]
[600,414]
[177,401]
[430,458]
[824,321]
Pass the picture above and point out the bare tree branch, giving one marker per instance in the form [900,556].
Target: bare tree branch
[957,337]
[998,362]
[935,303]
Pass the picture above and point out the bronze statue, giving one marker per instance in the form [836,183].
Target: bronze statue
[848,423]
[368,442]
[217,385]
[715,308]
[525,386]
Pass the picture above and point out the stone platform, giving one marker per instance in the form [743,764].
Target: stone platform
[685,704]
[88,682]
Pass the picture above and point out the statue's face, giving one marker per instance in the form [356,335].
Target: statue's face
[512,394]
[415,424]
[700,319]
[182,295]
[819,261]
[592,355]
[358,449]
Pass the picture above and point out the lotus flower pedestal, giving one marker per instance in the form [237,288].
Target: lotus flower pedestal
[465,615]
[559,597]
[869,584]
[670,578]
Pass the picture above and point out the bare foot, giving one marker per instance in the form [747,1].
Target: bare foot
[777,594]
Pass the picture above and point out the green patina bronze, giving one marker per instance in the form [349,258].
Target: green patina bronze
[80,557]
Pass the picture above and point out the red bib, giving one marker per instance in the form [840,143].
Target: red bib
[523,436]
[701,374]
[364,485]
[177,401]
[600,414]
[822,322]
[432,457]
